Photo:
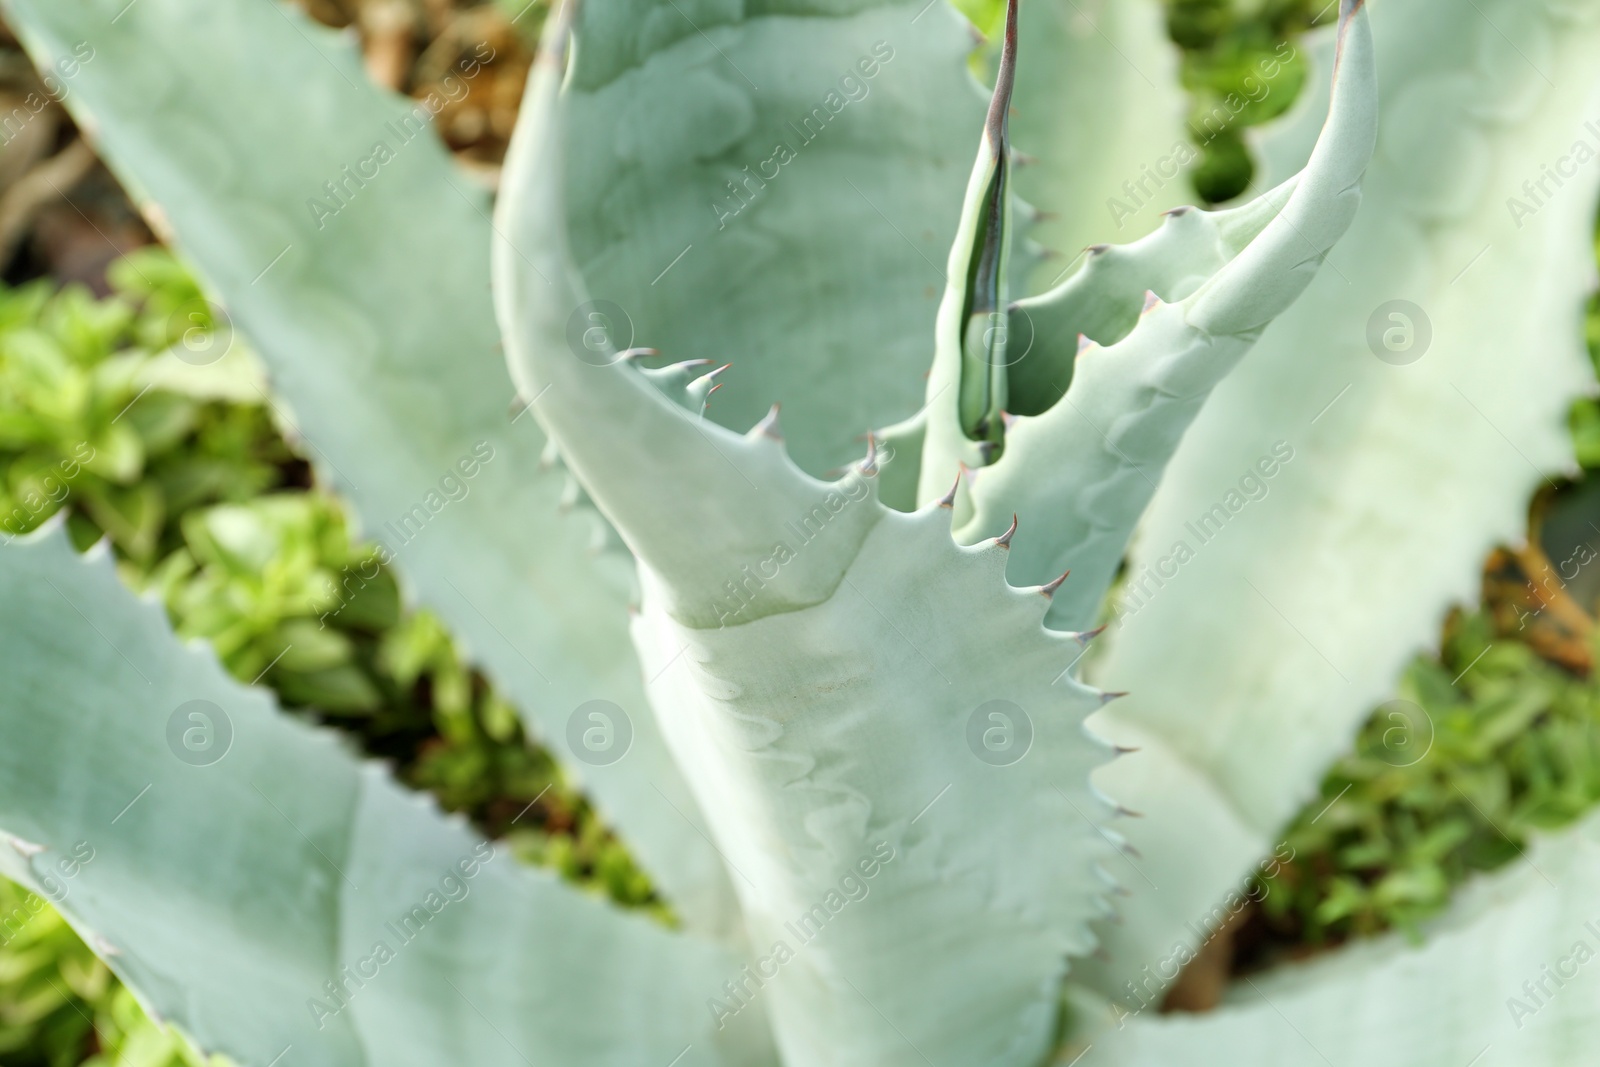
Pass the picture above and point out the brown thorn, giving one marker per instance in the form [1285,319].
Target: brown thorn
[1086,636]
[949,499]
[768,426]
[869,465]
[1004,540]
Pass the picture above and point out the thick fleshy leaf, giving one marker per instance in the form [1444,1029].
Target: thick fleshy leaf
[964,414]
[278,899]
[1104,300]
[333,226]
[1096,119]
[803,639]
[1080,471]
[1507,977]
[1099,112]
[775,185]
[846,731]
[1342,487]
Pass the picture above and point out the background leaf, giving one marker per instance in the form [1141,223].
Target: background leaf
[371,308]
[264,890]
[1402,476]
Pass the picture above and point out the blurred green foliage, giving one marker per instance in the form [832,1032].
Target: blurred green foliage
[1240,70]
[287,598]
[60,1006]
[1238,64]
[83,423]
[1512,745]
[1585,419]
[1505,744]
[116,412]
[1514,742]
[145,421]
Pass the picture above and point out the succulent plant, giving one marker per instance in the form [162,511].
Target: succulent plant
[836,705]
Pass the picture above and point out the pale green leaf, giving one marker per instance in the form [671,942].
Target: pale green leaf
[855,727]
[775,187]
[912,841]
[1328,506]
[1508,976]
[1094,105]
[239,122]
[1098,108]
[1078,472]
[237,868]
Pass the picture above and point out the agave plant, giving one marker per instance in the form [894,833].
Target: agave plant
[841,717]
